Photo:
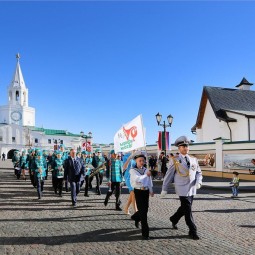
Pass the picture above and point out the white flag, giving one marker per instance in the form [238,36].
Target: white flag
[130,136]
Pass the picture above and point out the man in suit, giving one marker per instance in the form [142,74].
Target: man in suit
[73,169]
[185,172]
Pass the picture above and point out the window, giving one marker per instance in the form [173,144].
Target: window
[13,139]
[36,140]
[61,142]
[1,138]
[49,141]
[17,95]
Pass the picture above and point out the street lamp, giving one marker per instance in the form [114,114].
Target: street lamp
[164,125]
[86,137]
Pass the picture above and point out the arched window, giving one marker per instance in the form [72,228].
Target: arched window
[17,95]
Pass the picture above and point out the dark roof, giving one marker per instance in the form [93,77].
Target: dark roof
[230,99]
[244,82]
[224,99]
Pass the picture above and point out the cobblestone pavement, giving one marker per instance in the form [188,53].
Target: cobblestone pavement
[52,226]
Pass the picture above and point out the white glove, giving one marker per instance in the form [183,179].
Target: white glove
[163,193]
[198,185]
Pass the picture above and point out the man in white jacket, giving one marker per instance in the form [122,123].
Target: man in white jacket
[186,174]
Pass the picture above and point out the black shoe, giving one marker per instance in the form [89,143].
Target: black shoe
[194,236]
[105,202]
[146,238]
[137,224]
[118,209]
[86,195]
[173,225]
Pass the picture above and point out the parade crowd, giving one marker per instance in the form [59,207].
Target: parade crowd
[71,170]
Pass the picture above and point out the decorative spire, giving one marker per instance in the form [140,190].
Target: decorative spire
[18,80]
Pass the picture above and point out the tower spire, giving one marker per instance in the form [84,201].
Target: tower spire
[18,80]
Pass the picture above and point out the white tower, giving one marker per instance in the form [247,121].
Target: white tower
[17,110]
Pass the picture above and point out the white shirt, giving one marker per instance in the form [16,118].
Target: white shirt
[140,179]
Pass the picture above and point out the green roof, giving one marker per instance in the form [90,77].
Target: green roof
[54,131]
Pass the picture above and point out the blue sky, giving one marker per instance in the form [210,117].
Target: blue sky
[94,66]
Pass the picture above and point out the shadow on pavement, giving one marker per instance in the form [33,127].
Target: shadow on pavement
[230,210]
[247,226]
[102,235]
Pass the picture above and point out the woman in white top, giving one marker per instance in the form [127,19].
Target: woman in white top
[140,178]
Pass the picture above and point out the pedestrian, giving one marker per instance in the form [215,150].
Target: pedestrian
[163,159]
[83,161]
[3,156]
[39,173]
[98,160]
[114,178]
[185,172]
[31,163]
[23,164]
[88,168]
[58,172]
[141,182]
[73,169]
[15,161]
[234,184]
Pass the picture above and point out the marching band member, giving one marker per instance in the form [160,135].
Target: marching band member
[141,182]
[58,172]
[64,157]
[185,172]
[31,163]
[83,160]
[23,164]
[97,161]
[45,156]
[39,173]
[88,172]
[15,161]
[114,180]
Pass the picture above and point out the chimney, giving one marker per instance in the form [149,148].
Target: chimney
[244,85]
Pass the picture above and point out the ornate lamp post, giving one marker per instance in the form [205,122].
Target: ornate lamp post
[164,125]
[86,137]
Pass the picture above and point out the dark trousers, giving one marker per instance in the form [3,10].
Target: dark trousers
[86,184]
[66,186]
[99,180]
[32,178]
[75,189]
[114,186]
[185,210]
[58,182]
[142,202]
[55,183]
[40,184]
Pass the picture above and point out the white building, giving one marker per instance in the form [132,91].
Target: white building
[17,123]
[226,113]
